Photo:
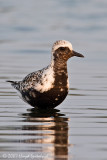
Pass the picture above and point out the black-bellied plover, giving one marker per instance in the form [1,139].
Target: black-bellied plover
[48,87]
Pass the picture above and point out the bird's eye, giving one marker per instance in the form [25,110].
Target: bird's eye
[62,48]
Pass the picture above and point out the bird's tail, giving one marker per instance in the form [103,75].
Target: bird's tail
[14,84]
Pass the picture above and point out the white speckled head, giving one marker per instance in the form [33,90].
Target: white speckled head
[61,43]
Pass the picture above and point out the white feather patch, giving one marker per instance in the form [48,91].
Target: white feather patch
[47,80]
[61,43]
[67,83]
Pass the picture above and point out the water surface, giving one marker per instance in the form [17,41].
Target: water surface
[76,129]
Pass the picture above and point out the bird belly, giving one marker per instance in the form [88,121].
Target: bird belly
[49,99]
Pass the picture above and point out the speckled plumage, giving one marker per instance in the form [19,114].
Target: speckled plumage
[49,86]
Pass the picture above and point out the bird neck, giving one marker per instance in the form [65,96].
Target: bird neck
[60,73]
[59,65]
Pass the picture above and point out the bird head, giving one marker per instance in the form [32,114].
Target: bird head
[63,50]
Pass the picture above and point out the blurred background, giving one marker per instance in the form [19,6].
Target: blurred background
[26,26]
[77,129]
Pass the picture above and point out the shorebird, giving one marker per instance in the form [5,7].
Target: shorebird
[48,87]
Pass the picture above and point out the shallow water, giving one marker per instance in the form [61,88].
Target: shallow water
[76,129]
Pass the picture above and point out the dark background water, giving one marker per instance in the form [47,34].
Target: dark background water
[76,129]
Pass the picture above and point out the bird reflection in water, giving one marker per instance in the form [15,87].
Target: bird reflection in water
[50,129]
